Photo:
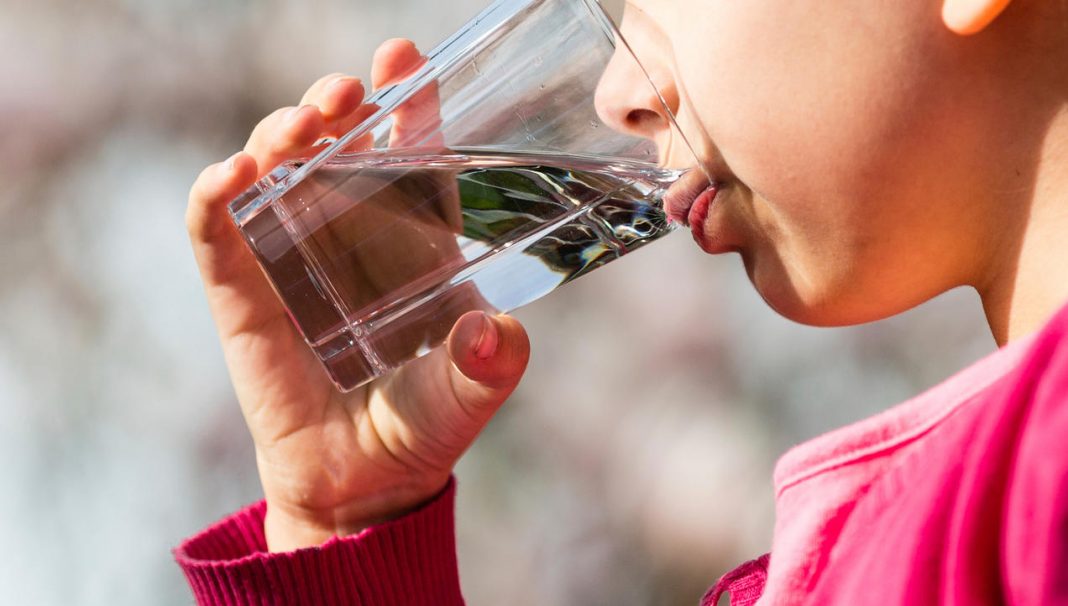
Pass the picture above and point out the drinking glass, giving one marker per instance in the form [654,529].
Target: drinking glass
[482,181]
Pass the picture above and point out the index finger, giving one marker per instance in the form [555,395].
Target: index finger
[417,121]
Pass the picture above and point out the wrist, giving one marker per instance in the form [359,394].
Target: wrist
[288,526]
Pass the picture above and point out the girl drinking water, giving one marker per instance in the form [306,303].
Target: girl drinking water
[867,156]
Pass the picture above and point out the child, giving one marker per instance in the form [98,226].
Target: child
[868,156]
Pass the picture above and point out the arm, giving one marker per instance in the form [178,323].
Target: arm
[409,560]
[331,464]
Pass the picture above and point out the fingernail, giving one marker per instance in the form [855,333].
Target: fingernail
[487,342]
[292,113]
[339,81]
[231,162]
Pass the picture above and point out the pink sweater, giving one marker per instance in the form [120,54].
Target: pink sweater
[958,496]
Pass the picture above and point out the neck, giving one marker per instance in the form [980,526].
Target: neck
[1029,282]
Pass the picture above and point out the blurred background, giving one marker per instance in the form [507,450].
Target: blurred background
[632,466]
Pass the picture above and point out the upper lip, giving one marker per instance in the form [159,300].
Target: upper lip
[680,197]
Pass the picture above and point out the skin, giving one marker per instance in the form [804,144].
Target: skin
[886,154]
[870,156]
[331,463]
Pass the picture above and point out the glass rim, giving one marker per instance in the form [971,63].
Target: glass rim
[475,32]
[612,29]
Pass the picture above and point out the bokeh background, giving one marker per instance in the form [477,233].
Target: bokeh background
[632,466]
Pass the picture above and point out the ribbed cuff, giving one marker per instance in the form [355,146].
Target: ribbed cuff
[410,560]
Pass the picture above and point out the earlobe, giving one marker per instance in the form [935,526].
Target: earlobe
[967,17]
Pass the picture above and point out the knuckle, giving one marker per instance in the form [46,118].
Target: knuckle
[194,211]
[192,224]
[271,121]
[396,42]
[327,79]
[199,190]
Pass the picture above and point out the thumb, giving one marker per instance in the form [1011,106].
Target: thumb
[489,355]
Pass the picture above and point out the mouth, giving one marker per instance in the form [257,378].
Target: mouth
[688,202]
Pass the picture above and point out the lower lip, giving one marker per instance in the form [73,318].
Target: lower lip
[699,214]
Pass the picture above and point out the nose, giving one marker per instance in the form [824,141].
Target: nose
[627,101]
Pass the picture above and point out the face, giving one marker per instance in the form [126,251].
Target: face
[841,137]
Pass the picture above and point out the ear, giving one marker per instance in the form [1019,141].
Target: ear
[966,17]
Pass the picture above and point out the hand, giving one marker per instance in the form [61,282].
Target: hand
[332,463]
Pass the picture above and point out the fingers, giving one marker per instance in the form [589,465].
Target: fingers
[237,293]
[331,106]
[336,96]
[217,184]
[489,355]
[350,122]
[218,247]
[393,61]
[417,122]
[283,135]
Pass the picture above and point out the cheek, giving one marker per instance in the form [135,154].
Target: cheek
[820,128]
[796,111]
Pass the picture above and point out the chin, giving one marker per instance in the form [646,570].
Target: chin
[816,300]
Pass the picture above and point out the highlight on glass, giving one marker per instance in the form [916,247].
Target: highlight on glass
[483,181]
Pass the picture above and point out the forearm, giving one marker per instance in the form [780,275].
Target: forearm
[409,560]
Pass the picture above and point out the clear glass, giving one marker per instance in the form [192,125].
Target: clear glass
[484,180]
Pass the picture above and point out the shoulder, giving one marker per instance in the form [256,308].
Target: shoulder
[1042,372]
[1034,536]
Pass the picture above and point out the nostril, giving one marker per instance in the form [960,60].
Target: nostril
[644,120]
